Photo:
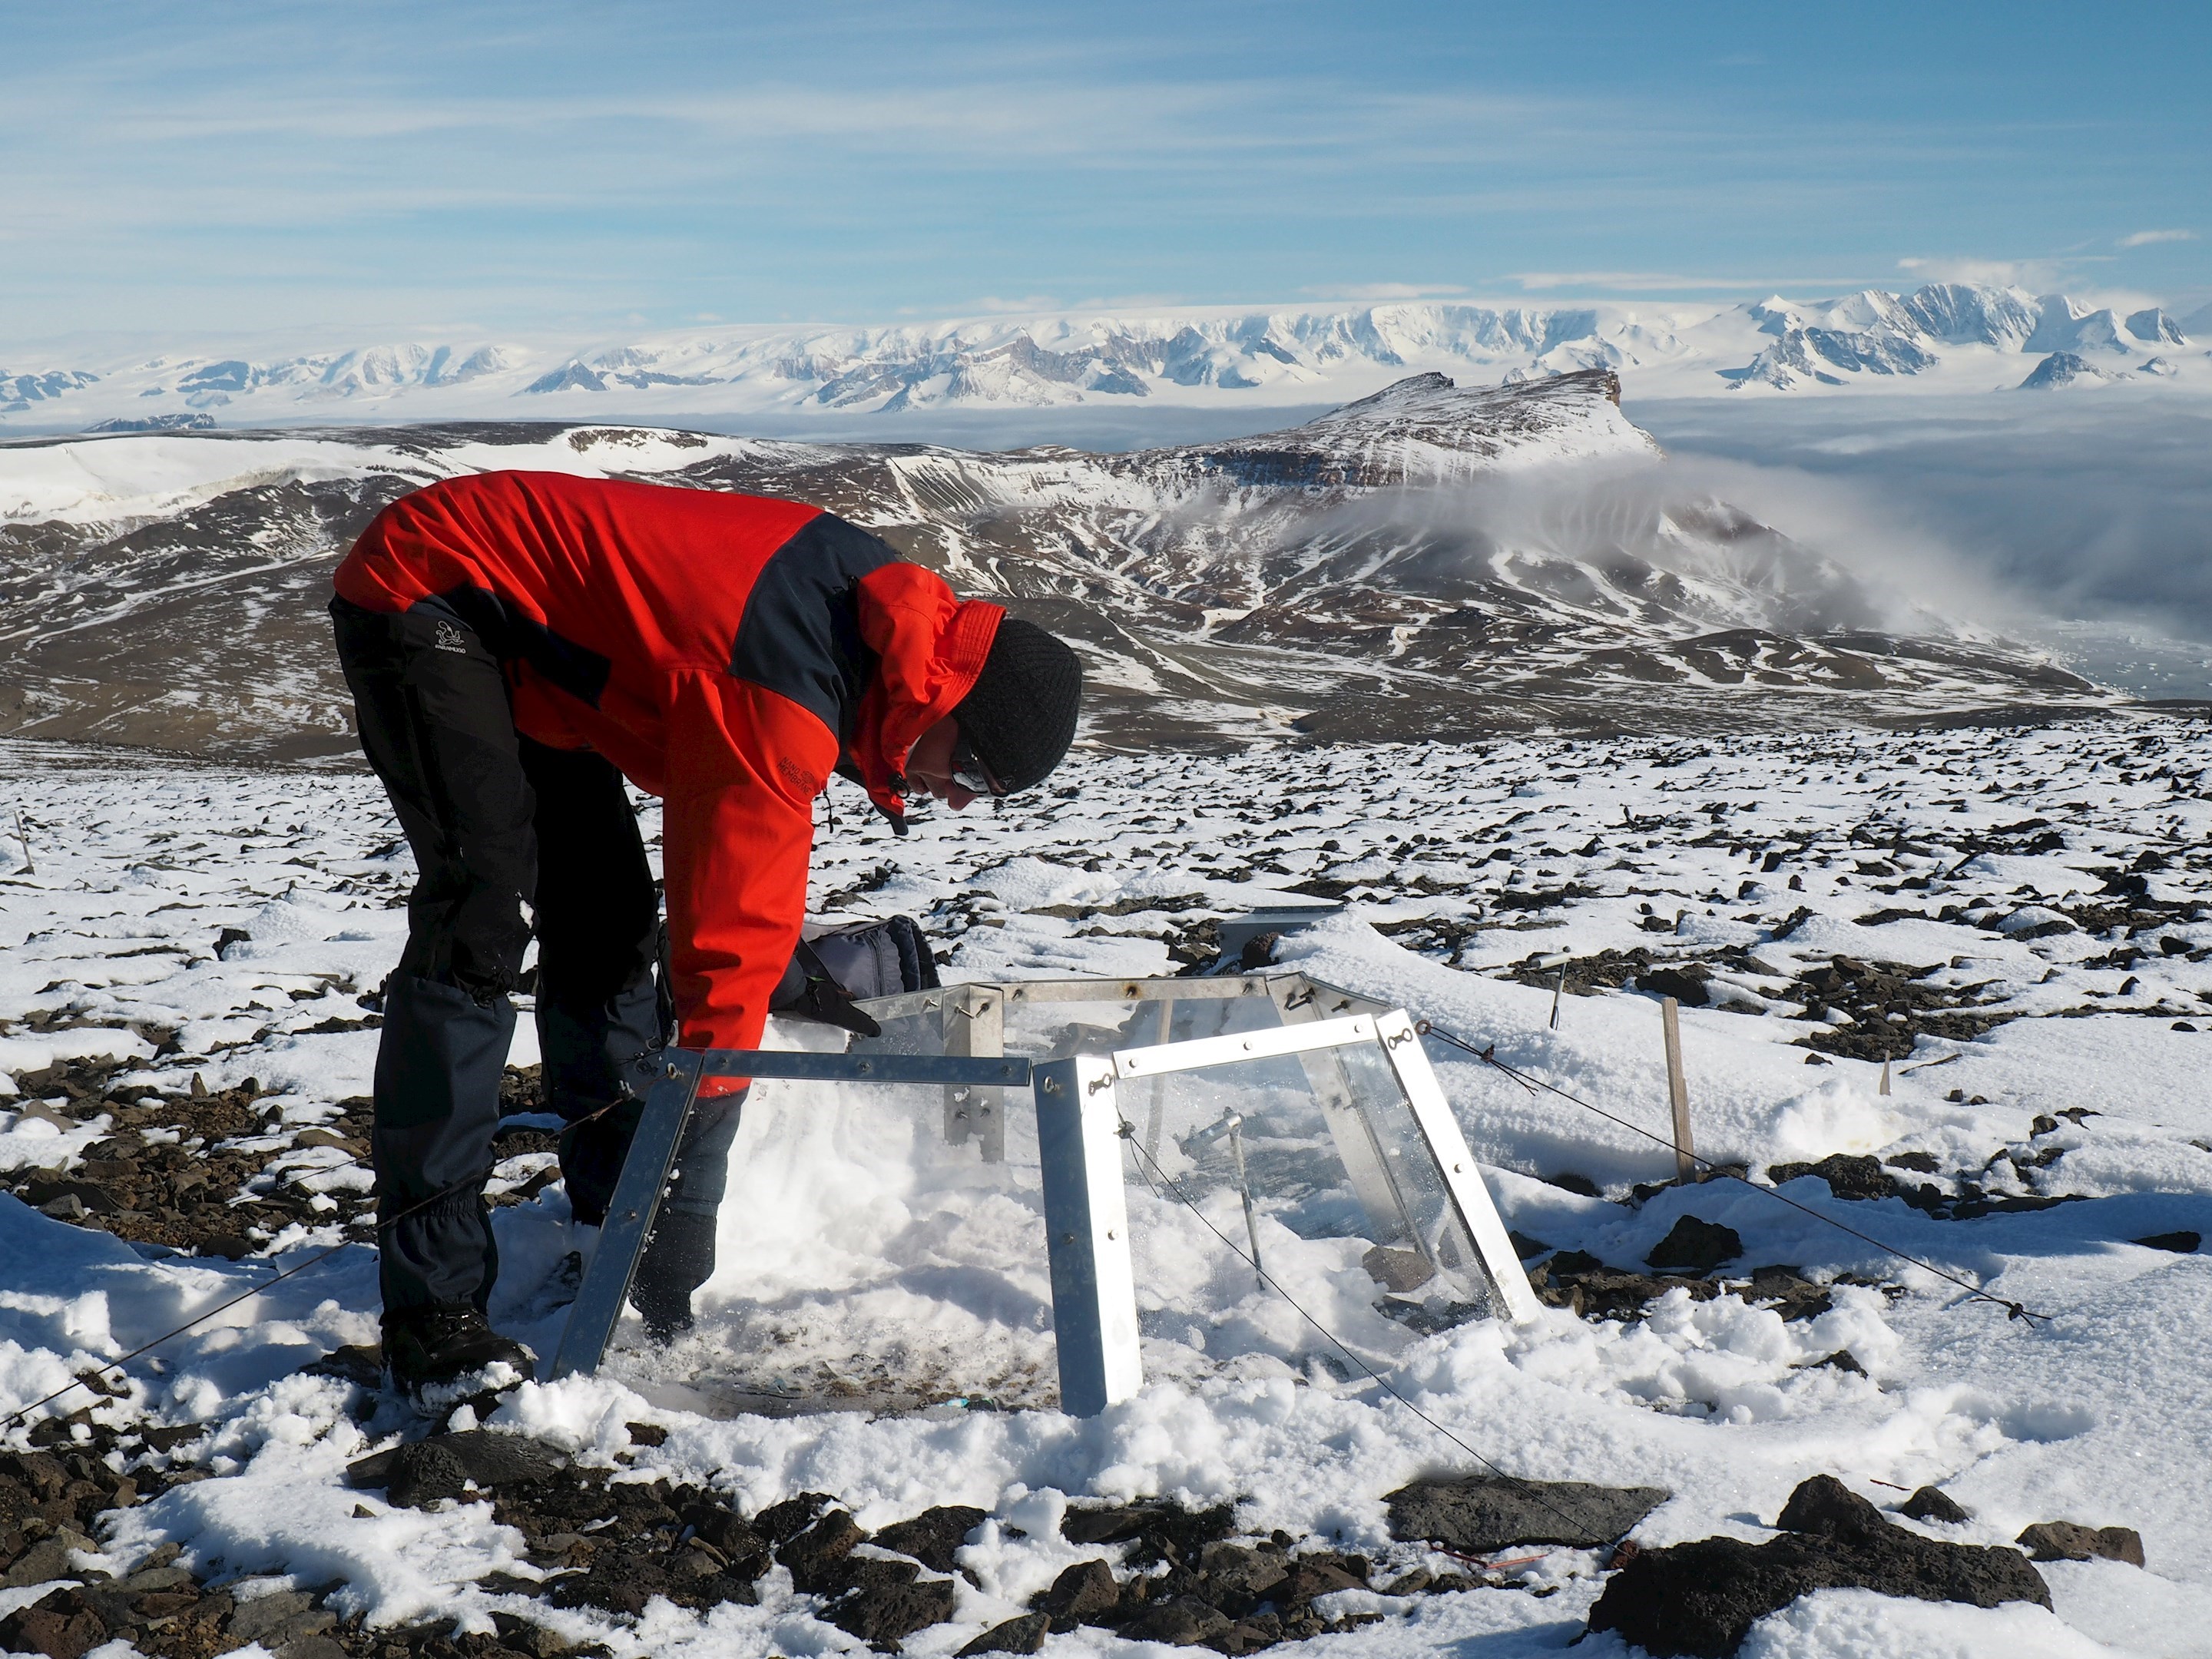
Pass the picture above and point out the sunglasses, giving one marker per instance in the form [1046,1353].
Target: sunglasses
[970,774]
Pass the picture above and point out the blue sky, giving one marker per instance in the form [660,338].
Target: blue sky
[235,168]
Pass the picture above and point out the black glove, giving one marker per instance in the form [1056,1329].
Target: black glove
[808,991]
[863,959]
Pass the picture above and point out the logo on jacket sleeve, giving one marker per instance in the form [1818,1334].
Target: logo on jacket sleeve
[450,638]
[798,776]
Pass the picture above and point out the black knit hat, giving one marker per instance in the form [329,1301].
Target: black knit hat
[1020,715]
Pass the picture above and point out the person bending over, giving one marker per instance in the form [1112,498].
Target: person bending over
[519,643]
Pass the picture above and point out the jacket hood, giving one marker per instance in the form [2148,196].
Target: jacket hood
[929,647]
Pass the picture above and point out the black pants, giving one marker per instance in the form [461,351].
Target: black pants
[496,821]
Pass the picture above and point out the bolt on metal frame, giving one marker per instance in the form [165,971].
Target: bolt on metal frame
[1080,1129]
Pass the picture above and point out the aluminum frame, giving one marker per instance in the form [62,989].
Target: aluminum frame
[1081,1126]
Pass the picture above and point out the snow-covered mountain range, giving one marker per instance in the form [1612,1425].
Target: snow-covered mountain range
[1949,336]
[1433,559]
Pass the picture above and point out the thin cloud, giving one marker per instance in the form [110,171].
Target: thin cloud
[1653,281]
[1376,292]
[992,305]
[2145,238]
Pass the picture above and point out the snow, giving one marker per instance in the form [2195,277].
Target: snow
[857,1248]
[1954,336]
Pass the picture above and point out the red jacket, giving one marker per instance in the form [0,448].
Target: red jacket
[724,650]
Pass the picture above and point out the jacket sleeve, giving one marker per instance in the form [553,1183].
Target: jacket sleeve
[737,826]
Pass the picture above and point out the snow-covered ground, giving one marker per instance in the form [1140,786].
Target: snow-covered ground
[858,1252]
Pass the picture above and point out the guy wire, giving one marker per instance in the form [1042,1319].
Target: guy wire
[1128,1133]
[1489,1057]
[384,1225]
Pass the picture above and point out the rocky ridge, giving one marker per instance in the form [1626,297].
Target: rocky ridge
[1434,560]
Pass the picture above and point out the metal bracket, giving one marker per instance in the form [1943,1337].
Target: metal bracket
[1094,1285]
[599,1304]
[801,1065]
[975,1024]
[1401,1047]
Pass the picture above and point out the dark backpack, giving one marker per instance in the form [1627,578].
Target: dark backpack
[831,971]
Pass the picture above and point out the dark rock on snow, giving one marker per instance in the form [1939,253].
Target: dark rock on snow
[1157,1530]
[1930,1503]
[2181,1243]
[420,1474]
[1022,1635]
[1697,1246]
[931,1536]
[1474,1514]
[1080,1595]
[816,1554]
[1847,1176]
[1702,1598]
[2069,1540]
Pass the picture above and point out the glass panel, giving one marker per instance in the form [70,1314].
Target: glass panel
[869,1258]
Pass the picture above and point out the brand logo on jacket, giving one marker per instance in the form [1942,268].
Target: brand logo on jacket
[450,638]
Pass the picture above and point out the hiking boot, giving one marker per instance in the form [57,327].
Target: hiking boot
[444,1342]
[678,1258]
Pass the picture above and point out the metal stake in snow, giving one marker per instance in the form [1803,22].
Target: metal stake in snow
[1244,1190]
[1233,1126]
[1884,1089]
[1678,1090]
[30,867]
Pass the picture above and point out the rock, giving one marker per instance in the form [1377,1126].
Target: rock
[2181,1243]
[817,1555]
[61,1625]
[1182,1622]
[1932,1503]
[361,1362]
[931,1536]
[1079,1595]
[1022,1635]
[1842,1360]
[1696,1246]
[1262,1630]
[1825,1504]
[446,1465]
[47,1559]
[148,1580]
[1318,1574]
[276,1617]
[1402,1270]
[780,1521]
[888,1601]
[1701,1598]
[1156,1529]
[313,1647]
[744,1550]
[1847,1176]
[1237,1578]
[1478,1513]
[1686,983]
[423,1474]
[2069,1540]
[530,1638]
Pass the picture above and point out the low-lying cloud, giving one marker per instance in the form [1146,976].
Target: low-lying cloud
[2060,507]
